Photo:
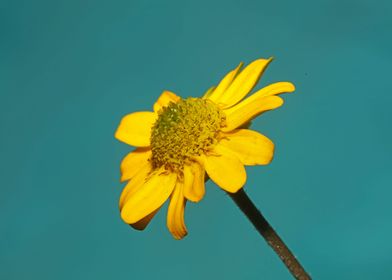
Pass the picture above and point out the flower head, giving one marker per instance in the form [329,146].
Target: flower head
[183,139]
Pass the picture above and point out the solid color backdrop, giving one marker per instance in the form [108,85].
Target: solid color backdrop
[69,70]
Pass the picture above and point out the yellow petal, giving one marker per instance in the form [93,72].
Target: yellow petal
[194,187]
[259,102]
[246,111]
[135,128]
[148,197]
[218,92]
[143,223]
[243,83]
[225,170]
[164,100]
[175,214]
[135,184]
[272,89]
[209,92]
[133,162]
[250,147]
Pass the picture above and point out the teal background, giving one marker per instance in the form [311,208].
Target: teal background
[69,70]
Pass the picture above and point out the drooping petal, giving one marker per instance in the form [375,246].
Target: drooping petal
[194,186]
[133,162]
[148,197]
[135,129]
[216,94]
[164,99]
[175,214]
[225,170]
[143,223]
[246,111]
[250,147]
[243,83]
[135,183]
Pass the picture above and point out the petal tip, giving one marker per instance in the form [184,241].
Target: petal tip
[135,128]
[264,61]
[179,236]
[138,227]
[293,87]
[126,217]
[290,87]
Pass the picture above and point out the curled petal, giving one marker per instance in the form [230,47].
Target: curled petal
[135,129]
[225,170]
[175,214]
[149,197]
[133,162]
[250,147]
[164,100]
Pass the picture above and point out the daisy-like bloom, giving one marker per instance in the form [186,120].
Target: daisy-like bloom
[182,140]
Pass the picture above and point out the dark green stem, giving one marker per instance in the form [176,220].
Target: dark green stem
[269,234]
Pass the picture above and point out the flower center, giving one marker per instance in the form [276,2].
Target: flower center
[184,130]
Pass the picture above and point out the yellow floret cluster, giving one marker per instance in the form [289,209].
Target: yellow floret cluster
[184,130]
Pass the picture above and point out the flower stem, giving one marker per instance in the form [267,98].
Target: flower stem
[264,228]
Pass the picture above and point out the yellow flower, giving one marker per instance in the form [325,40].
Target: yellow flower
[183,139]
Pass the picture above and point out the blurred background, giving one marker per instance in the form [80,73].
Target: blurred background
[69,70]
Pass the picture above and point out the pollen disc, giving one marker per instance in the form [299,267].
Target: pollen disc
[184,130]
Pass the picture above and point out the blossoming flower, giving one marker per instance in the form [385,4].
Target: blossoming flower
[182,140]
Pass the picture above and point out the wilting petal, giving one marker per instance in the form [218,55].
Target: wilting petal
[148,197]
[133,162]
[135,183]
[250,147]
[216,94]
[135,128]
[175,214]
[164,100]
[225,170]
[243,83]
[194,187]
[242,113]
